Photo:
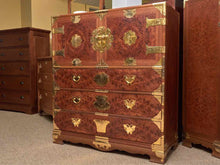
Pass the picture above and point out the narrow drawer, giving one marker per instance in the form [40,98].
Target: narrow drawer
[45,100]
[14,54]
[13,39]
[45,81]
[15,83]
[109,126]
[44,66]
[146,106]
[14,97]
[14,68]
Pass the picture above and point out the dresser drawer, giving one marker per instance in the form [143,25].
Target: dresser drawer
[14,54]
[146,106]
[44,66]
[14,68]
[45,81]
[45,100]
[110,126]
[14,97]
[13,39]
[15,83]
[109,79]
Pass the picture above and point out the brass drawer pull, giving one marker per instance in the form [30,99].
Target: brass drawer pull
[21,68]
[21,54]
[76,122]
[22,83]
[129,103]
[1,40]
[101,79]
[76,100]
[129,128]
[129,79]
[101,103]
[76,79]
[22,97]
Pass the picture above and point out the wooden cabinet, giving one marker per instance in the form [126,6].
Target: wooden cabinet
[116,79]
[201,110]
[18,51]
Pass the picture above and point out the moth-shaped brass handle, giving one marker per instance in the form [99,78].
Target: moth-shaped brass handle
[76,122]
[129,128]
[129,103]
[129,79]
[76,79]
[76,100]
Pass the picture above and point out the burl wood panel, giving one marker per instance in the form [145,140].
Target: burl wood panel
[146,106]
[145,131]
[201,71]
[145,79]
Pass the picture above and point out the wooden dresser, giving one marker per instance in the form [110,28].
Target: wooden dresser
[18,51]
[201,104]
[116,79]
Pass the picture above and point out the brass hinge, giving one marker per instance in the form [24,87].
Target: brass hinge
[155,49]
[58,30]
[155,22]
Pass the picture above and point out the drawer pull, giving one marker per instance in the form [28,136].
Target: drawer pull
[76,122]
[21,54]
[129,103]
[101,79]
[129,79]
[101,125]
[76,79]
[1,40]
[20,39]
[3,68]
[22,83]
[2,54]
[3,95]
[76,100]
[129,128]
[21,68]
[22,97]
[101,103]
[3,82]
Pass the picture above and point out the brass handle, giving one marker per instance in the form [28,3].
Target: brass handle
[129,128]
[76,79]
[101,79]
[129,103]
[76,100]
[129,79]
[101,103]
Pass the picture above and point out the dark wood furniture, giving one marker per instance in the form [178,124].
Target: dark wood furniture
[18,51]
[201,104]
[174,3]
[45,84]
[116,79]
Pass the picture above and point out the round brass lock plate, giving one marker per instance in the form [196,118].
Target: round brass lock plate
[101,79]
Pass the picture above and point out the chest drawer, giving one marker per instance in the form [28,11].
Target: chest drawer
[14,54]
[14,97]
[15,83]
[109,126]
[13,39]
[45,81]
[109,79]
[44,66]
[14,68]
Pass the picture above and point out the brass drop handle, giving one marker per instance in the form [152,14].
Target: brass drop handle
[129,79]
[76,79]
[76,100]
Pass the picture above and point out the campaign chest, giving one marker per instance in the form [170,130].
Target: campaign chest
[18,51]
[116,79]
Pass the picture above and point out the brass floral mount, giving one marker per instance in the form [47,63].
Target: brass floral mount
[129,128]
[76,122]
[102,143]
[130,37]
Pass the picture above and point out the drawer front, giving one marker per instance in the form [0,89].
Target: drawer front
[113,127]
[15,39]
[14,97]
[44,66]
[14,54]
[45,81]
[146,106]
[45,100]
[15,83]
[14,68]
[109,79]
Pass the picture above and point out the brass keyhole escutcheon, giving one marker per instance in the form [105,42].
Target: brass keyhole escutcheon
[76,79]
[101,79]
[101,103]
[76,100]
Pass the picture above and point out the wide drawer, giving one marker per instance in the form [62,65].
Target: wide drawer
[14,54]
[15,82]
[44,66]
[146,106]
[14,97]
[45,101]
[110,126]
[110,79]
[14,68]
[45,81]
[13,39]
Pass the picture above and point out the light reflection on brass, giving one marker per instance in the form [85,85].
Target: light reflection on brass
[76,100]
[76,62]
[155,22]
[76,122]
[76,78]
[101,79]
[161,7]
[130,61]
[155,49]
[76,19]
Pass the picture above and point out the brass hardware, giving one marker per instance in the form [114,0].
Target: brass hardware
[101,91]
[159,91]
[76,41]
[21,54]
[101,13]
[53,20]
[129,128]
[160,99]
[55,111]
[101,114]
[21,68]
[159,148]
[56,134]
[130,37]
[76,122]
[130,61]
[129,103]
[58,52]
[102,143]
[129,79]
[159,120]
[155,22]
[76,19]
[217,146]
[101,125]
[22,97]
[129,13]
[101,64]
[22,82]
[101,39]
[76,62]
[161,7]
[40,96]
[58,30]
[101,79]
[155,49]
[76,100]
[101,103]
[76,79]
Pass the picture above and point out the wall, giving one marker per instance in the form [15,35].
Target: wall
[26,15]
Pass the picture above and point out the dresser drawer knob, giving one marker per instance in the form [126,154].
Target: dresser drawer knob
[129,128]
[129,79]
[3,95]
[2,54]
[3,82]
[76,100]
[76,79]
[21,68]
[21,54]
[1,40]
[2,68]
[76,122]
[22,97]
[20,39]
[101,79]
[22,83]
[129,103]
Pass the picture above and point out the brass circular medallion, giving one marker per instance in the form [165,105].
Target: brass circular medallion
[76,41]
[101,79]
[130,38]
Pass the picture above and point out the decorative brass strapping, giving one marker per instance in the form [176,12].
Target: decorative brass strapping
[53,20]
[76,78]
[101,79]
[76,19]
[102,143]
[76,41]
[160,99]
[130,13]
[129,103]
[155,49]
[76,100]
[130,61]
[155,22]
[56,134]
[58,52]
[101,125]
[129,128]
[76,122]
[58,30]
[159,120]
[129,79]
[101,91]
[159,148]
[76,62]
[101,103]
[159,91]
[217,146]
[161,7]
[130,37]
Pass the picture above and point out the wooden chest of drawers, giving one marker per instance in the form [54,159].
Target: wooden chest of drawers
[18,51]
[201,104]
[116,79]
